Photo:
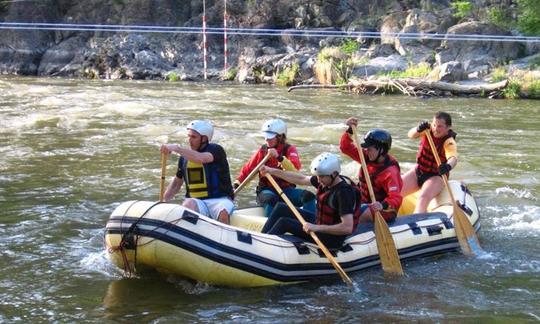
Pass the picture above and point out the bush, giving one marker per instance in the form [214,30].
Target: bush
[512,90]
[230,74]
[534,89]
[499,74]
[287,76]
[349,46]
[461,9]
[172,76]
[528,20]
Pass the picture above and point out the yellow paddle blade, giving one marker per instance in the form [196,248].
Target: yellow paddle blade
[387,249]
[468,241]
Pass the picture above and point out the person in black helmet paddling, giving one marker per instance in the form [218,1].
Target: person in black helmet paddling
[203,167]
[383,170]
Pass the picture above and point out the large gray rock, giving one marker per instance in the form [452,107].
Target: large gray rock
[475,52]
[381,65]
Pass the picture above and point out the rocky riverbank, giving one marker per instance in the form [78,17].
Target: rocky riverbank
[283,57]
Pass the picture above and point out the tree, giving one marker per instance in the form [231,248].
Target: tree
[528,19]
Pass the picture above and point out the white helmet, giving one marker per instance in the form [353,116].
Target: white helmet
[325,164]
[202,127]
[274,127]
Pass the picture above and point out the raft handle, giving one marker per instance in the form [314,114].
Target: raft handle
[301,248]
[190,217]
[415,229]
[243,237]
[434,230]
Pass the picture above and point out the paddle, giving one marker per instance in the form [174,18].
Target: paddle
[468,241]
[163,174]
[323,248]
[251,174]
[385,242]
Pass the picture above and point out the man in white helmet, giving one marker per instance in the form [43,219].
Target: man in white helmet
[285,157]
[203,167]
[338,204]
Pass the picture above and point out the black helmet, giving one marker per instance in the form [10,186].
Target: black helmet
[378,138]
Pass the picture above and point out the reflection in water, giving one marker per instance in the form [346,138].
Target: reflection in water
[72,150]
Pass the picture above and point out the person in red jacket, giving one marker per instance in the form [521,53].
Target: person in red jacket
[426,175]
[383,170]
[285,157]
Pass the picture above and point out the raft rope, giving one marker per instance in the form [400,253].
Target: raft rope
[122,246]
[265,32]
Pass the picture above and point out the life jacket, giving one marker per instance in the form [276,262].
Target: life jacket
[425,159]
[327,213]
[263,181]
[209,180]
[380,193]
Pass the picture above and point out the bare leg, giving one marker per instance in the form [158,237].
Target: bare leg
[410,184]
[223,217]
[431,188]
[191,204]
[366,217]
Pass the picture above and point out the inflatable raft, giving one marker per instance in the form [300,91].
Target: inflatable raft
[172,239]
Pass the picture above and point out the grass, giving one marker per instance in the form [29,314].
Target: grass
[499,74]
[414,71]
[287,76]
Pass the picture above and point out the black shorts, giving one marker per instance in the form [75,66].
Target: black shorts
[422,177]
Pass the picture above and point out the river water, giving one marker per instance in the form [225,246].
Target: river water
[72,150]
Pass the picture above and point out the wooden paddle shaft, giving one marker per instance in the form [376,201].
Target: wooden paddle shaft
[163,174]
[323,248]
[252,173]
[465,233]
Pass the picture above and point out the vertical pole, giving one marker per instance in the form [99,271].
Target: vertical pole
[204,40]
[225,54]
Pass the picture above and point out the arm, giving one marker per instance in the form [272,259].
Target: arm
[290,176]
[189,154]
[291,160]
[345,227]
[347,147]
[412,133]
[392,184]
[250,165]
[173,188]
[450,149]
[417,131]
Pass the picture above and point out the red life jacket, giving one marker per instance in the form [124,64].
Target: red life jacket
[327,213]
[380,193]
[425,159]
[263,182]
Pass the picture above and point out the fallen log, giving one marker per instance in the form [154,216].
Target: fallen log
[412,87]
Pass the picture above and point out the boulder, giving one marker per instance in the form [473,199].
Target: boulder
[477,52]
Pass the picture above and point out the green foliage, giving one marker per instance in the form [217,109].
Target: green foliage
[4,6]
[414,71]
[172,76]
[534,89]
[500,17]
[528,19]
[512,90]
[230,74]
[461,9]
[287,76]
[499,74]
[349,46]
